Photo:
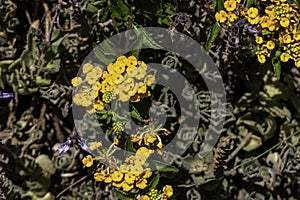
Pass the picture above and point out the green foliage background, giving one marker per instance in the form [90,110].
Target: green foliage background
[43,44]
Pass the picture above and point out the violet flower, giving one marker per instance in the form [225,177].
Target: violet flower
[64,147]
[252,30]
[5,95]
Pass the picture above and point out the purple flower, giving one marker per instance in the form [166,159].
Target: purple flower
[84,147]
[63,148]
[252,30]
[6,95]
[236,41]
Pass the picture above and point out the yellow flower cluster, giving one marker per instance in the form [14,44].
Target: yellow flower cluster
[126,79]
[131,174]
[88,161]
[154,194]
[88,94]
[277,25]
[229,14]
[279,21]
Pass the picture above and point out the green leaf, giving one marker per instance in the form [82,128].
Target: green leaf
[153,183]
[147,40]
[115,12]
[129,145]
[91,8]
[123,195]
[135,114]
[276,64]
[171,169]
[214,31]
[219,5]
[249,3]
[124,8]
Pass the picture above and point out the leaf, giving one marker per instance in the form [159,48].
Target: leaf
[135,114]
[153,183]
[219,5]
[123,195]
[214,31]
[129,145]
[249,3]
[147,40]
[171,169]
[276,64]
[124,8]
[91,8]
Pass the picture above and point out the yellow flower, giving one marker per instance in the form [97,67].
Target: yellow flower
[168,190]
[254,20]
[140,160]
[148,173]
[141,73]
[287,39]
[221,16]
[116,78]
[259,40]
[142,184]
[108,179]
[142,89]
[270,45]
[231,16]
[230,5]
[284,57]
[99,105]
[95,145]
[252,12]
[119,67]
[297,36]
[97,71]
[87,67]
[284,22]
[91,78]
[297,62]
[265,21]
[261,58]
[129,178]
[144,197]
[149,79]
[136,169]
[144,150]
[88,161]
[132,61]
[126,187]
[110,68]
[116,141]
[100,176]
[76,81]
[117,184]
[124,168]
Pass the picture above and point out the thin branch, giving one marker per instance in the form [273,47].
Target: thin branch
[70,186]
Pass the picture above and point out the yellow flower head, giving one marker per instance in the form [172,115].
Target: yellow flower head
[259,40]
[230,5]
[252,12]
[142,184]
[76,81]
[87,67]
[117,176]
[231,17]
[100,176]
[221,16]
[297,62]
[270,45]
[168,190]
[261,58]
[95,145]
[144,197]
[284,57]
[284,22]
[127,187]
[99,106]
[88,161]
[129,178]
[132,61]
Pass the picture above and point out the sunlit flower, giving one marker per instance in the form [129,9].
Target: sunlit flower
[144,197]
[221,16]
[168,190]
[76,81]
[259,40]
[87,67]
[261,58]
[95,145]
[252,12]
[88,161]
[284,22]
[230,5]
[117,176]
[142,184]
[270,45]
[284,57]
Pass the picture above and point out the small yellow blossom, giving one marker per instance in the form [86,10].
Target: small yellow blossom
[87,67]
[284,22]
[127,187]
[168,190]
[221,16]
[270,45]
[76,81]
[252,12]
[230,5]
[142,184]
[284,57]
[259,40]
[144,197]
[88,161]
[95,145]
[100,176]
[261,58]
